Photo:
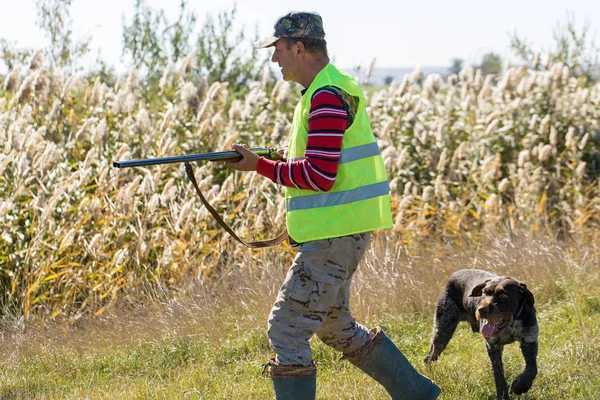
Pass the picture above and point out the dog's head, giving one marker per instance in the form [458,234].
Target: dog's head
[502,298]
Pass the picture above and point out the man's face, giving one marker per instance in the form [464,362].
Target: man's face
[287,58]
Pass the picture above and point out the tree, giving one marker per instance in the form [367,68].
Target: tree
[490,64]
[12,56]
[152,42]
[178,33]
[456,66]
[54,19]
[574,48]
[221,55]
[143,39]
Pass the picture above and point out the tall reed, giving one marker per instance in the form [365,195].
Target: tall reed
[465,154]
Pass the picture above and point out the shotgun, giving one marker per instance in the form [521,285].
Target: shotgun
[228,155]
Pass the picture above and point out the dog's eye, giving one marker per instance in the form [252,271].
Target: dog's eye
[503,296]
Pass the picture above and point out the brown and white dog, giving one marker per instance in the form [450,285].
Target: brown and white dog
[501,308]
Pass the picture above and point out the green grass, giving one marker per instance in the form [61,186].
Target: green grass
[228,365]
[213,345]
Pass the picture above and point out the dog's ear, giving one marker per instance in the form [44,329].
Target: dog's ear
[478,290]
[527,294]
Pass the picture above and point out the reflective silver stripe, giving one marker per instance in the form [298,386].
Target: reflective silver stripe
[356,153]
[338,198]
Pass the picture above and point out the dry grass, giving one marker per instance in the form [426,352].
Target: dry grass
[389,281]
[212,344]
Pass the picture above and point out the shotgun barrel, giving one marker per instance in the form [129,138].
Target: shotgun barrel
[228,155]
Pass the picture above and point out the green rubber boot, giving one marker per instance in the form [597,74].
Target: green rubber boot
[294,382]
[383,361]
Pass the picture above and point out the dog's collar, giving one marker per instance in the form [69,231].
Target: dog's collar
[516,315]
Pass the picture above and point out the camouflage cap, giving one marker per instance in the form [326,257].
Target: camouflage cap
[307,25]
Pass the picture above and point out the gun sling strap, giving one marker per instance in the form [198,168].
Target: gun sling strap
[254,245]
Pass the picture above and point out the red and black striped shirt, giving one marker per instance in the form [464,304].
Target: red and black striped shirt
[317,170]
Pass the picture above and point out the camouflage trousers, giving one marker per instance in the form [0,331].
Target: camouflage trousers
[314,299]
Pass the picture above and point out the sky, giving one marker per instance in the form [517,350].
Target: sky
[396,33]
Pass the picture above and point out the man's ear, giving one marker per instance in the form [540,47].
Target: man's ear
[301,49]
[478,290]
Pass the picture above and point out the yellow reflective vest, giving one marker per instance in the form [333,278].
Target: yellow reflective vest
[359,200]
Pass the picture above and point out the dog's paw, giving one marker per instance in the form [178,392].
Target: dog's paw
[430,359]
[521,385]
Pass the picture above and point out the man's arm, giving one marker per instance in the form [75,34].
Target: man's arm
[317,170]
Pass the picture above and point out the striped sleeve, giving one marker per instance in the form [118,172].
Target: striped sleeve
[317,170]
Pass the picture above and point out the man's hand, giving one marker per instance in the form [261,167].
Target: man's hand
[283,153]
[247,163]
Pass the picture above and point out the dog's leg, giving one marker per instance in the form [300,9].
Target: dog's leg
[447,317]
[474,324]
[495,354]
[524,381]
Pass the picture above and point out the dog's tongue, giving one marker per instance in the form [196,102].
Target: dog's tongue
[488,329]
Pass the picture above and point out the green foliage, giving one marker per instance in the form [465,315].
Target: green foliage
[490,64]
[62,50]
[142,38]
[55,20]
[229,366]
[12,56]
[574,48]
[222,56]
[456,66]
[178,33]
[151,41]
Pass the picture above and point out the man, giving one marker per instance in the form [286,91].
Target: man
[337,192]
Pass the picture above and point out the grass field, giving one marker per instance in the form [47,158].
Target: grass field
[214,346]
